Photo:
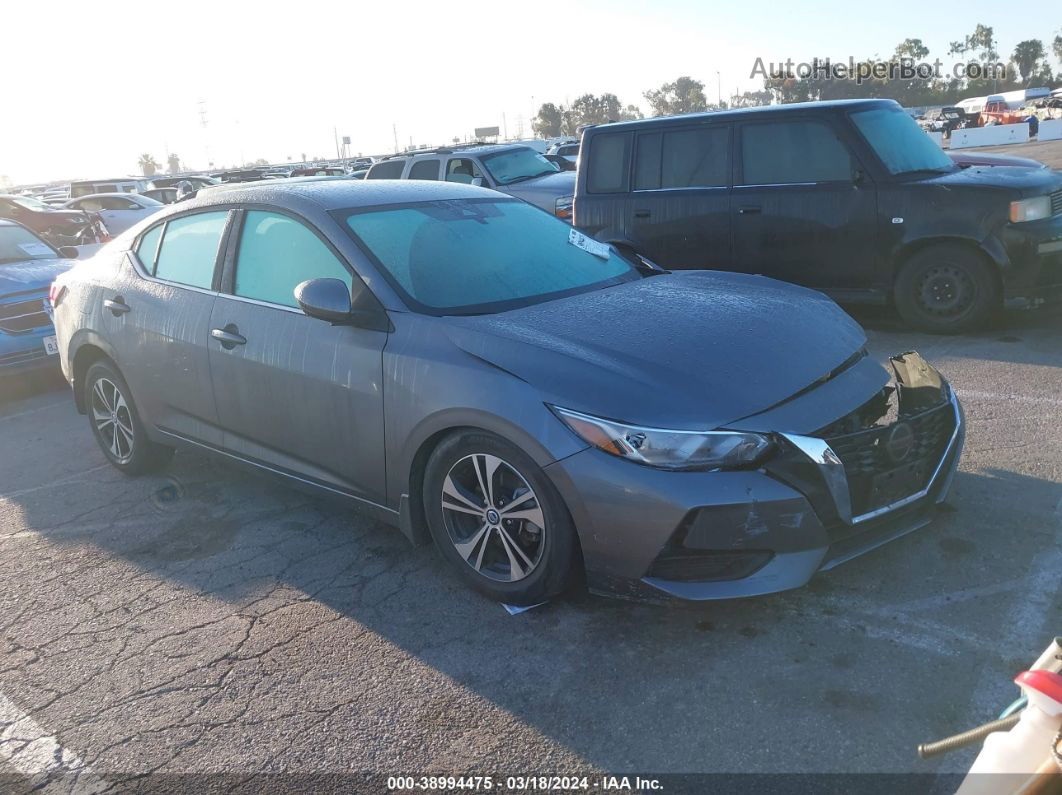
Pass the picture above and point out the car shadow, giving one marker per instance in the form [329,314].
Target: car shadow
[625,686]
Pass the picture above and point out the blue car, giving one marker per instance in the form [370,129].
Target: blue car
[28,266]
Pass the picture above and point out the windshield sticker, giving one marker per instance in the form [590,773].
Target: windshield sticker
[35,249]
[579,240]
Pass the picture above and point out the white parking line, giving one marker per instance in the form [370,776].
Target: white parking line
[34,753]
[27,412]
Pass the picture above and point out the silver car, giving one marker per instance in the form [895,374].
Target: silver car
[477,373]
[119,211]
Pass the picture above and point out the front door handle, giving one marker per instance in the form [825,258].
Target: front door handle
[641,213]
[229,337]
[117,305]
[750,209]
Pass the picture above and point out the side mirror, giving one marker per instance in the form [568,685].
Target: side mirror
[68,252]
[479,182]
[324,299]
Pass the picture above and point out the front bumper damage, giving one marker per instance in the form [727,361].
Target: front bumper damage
[828,496]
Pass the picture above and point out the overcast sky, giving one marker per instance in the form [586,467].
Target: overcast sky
[91,86]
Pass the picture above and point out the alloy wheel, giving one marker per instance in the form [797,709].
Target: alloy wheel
[112,419]
[493,518]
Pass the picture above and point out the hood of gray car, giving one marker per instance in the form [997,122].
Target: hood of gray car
[691,350]
[543,191]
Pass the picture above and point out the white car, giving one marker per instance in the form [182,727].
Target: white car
[119,211]
[569,151]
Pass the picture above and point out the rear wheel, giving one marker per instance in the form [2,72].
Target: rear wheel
[116,423]
[946,289]
[497,519]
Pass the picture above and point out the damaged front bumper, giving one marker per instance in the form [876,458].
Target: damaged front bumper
[825,498]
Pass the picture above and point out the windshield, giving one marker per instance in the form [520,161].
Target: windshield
[900,143]
[30,203]
[517,165]
[18,245]
[476,256]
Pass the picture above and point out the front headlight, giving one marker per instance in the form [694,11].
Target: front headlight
[1034,209]
[668,449]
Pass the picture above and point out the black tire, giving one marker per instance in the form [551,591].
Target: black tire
[947,289]
[503,573]
[121,436]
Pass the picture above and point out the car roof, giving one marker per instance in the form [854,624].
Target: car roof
[336,194]
[115,194]
[726,115]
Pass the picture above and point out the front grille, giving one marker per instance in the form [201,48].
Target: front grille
[1056,203]
[877,473]
[27,315]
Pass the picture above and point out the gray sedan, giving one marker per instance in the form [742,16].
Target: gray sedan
[478,374]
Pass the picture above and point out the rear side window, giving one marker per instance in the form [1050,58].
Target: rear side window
[683,159]
[392,169]
[793,151]
[149,247]
[610,159]
[424,169]
[276,254]
[190,249]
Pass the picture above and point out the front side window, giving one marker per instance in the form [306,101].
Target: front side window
[276,254]
[786,152]
[697,158]
[425,169]
[462,169]
[392,169]
[473,256]
[115,203]
[897,139]
[517,165]
[189,249]
[609,161]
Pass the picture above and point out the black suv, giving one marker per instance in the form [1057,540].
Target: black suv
[850,197]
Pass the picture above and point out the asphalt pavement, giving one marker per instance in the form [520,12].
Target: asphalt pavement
[211,621]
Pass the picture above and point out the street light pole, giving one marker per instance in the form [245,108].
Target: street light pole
[719,88]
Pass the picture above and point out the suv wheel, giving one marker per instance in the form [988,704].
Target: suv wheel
[116,423]
[497,519]
[946,289]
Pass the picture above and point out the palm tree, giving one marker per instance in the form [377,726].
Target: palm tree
[148,165]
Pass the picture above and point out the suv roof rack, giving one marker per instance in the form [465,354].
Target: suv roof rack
[440,150]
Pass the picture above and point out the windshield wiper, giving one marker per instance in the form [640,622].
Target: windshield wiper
[924,171]
[531,176]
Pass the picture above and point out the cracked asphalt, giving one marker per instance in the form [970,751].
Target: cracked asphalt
[212,621]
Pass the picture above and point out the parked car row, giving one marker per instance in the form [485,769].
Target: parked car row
[542,406]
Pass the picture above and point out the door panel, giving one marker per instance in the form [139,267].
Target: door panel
[161,343]
[300,394]
[802,208]
[817,235]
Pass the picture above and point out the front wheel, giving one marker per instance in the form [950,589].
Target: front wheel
[946,289]
[497,519]
[116,423]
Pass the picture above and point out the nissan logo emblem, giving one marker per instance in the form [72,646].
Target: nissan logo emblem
[900,442]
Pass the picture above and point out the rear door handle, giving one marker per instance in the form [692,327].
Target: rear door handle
[117,305]
[750,209]
[229,337]
[641,213]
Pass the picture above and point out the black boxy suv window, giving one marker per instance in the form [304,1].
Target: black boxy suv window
[425,169]
[610,158]
[392,169]
[778,153]
[697,158]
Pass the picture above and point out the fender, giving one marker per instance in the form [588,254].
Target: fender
[81,338]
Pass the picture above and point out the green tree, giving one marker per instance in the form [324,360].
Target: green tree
[1056,46]
[750,99]
[148,165]
[684,95]
[981,43]
[911,48]
[1026,58]
[548,122]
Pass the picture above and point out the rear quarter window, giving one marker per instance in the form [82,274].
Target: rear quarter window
[392,169]
[609,162]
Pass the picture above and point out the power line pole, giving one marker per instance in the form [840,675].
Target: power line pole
[394,131]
